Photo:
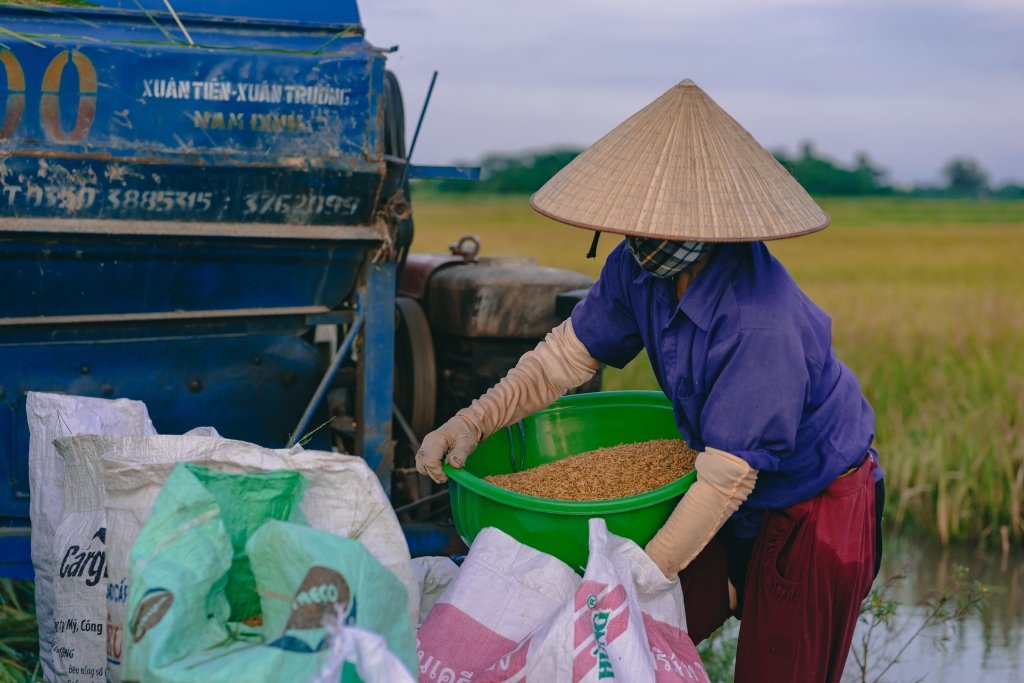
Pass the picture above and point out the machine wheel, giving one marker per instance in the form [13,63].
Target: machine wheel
[415,368]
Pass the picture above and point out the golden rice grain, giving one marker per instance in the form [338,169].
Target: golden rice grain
[616,472]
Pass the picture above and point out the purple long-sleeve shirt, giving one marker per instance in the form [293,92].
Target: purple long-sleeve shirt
[747,361]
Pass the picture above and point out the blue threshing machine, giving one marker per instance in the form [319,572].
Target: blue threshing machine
[183,200]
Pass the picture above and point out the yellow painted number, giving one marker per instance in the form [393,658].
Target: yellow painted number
[15,93]
[49,105]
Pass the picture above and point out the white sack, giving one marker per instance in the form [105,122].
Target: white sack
[79,582]
[625,621]
[342,496]
[369,652]
[433,574]
[502,592]
[83,637]
[51,416]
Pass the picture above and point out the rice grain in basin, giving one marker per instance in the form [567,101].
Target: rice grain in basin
[616,472]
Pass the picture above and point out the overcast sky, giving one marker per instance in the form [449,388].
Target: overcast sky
[911,82]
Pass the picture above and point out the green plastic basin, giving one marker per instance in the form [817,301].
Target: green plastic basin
[572,425]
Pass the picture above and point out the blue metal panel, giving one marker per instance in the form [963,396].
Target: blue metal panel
[313,11]
[425,539]
[15,555]
[213,106]
[137,176]
[121,123]
[73,274]
[83,188]
[445,172]
[252,387]
[375,392]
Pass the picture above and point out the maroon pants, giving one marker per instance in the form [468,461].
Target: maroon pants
[811,566]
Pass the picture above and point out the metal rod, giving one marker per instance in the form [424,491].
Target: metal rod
[343,350]
[421,501]
[416,135]
[165,316]
[20,530]
[424,480]
[413,441]
[176,19]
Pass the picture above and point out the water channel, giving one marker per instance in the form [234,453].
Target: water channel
[987,646]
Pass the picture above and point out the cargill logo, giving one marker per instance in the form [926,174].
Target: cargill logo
[89,563]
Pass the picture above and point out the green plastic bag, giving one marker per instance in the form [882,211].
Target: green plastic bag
[305,575]
[214,549]
[250,501]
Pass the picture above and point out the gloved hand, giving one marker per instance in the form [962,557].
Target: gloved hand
[456,438]
[558,364]
[723,482]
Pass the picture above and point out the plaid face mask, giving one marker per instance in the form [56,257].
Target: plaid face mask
[665,258]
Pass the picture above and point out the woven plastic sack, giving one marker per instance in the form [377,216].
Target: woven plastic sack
[342,496]
[501,593]
[181,605]
[433,574]
[358,655]
[80,573]
[81,553]
[51,416]
[624,621]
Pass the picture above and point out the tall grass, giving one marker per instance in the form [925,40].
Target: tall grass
[927,301]
[19,636]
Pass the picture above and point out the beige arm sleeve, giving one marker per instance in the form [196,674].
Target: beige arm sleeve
[559,363]
[723,482]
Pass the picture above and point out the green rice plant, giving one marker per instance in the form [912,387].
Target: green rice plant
[19,635]
[718,652]
[927,302]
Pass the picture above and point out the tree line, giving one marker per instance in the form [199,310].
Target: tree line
[820,175]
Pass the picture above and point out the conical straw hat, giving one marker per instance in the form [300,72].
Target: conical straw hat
[681,169]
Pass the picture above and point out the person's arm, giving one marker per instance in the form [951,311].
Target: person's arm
[607,333]
[723,483]
[559,363]
[759,383]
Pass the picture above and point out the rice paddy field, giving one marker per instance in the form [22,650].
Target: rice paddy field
[927,302]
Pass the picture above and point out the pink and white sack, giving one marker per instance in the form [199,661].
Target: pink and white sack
[502,592]
[625,621]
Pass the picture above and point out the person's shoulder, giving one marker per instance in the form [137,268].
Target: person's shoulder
[767,297]
[620,268]
[620,257]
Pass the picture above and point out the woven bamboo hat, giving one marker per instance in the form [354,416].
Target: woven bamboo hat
[681,169]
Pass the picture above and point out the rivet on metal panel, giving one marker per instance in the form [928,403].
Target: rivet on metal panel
[85,369]
[107,390]
[195,386]
[257,360]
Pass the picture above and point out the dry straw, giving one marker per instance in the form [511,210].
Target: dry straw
[681,169]
[625,470]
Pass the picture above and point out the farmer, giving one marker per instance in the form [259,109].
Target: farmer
[781,527]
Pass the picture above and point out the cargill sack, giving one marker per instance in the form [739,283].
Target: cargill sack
[51,416]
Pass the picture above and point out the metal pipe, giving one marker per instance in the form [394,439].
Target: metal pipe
[343,350]
[178,21]
[424,480]
[413,441]
[416,135]
[421,501]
